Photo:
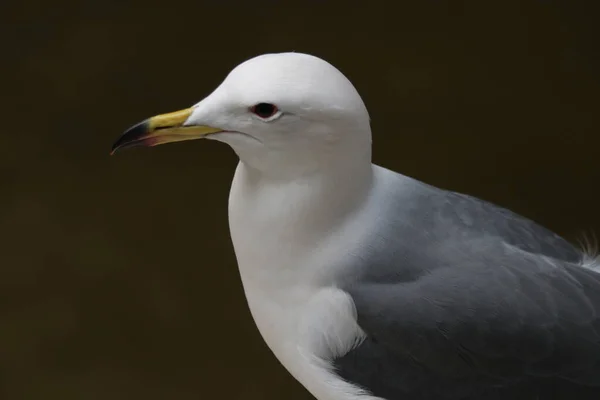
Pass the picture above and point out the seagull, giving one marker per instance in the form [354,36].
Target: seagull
[370,285]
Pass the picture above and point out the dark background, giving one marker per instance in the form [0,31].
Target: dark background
[117,276]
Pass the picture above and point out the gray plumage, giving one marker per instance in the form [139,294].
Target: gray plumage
[479,303]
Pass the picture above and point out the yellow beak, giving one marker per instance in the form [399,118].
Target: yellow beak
[164,128]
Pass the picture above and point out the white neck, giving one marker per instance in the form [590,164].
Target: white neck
[266,214]
[277,226]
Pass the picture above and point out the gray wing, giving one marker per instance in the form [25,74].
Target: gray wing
[487,220]
[495,307]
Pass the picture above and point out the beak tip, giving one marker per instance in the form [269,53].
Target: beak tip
[131,137]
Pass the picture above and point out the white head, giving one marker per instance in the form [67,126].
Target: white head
[284,114]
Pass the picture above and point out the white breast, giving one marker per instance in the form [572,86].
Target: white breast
[302,317]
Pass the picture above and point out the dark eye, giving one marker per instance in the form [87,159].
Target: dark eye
[264,110]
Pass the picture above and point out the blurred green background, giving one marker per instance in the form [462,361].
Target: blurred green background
[117,275]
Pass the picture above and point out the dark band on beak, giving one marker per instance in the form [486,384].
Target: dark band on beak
[132,137]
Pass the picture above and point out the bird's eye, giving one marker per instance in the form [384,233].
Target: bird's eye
[264,110]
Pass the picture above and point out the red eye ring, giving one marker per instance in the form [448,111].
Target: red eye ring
[264,110]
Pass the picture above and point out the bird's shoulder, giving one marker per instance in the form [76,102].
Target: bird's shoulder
[427,227]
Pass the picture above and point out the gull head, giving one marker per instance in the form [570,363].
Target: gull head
[285,113]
